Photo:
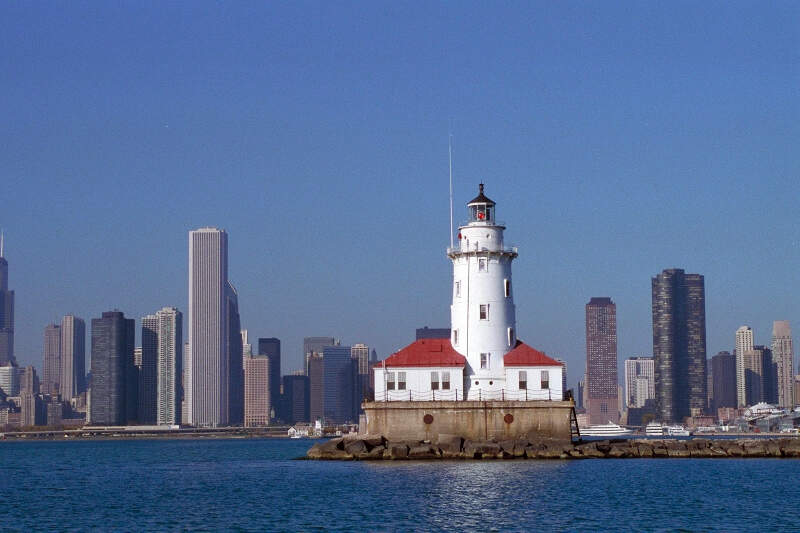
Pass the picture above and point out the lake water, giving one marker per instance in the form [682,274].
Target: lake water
[256,485]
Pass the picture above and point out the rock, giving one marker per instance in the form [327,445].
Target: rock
[375,453]
[449,446]
[790,447]
[330,449]
[589,450]
[772,449]
[619,452]
[355,447]
[645,450]
[507,448]
[735,450]
[423,451]
[373,440]
[519,448]
[481,450]
[397,451]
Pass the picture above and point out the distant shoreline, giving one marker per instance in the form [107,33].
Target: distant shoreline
[132,433]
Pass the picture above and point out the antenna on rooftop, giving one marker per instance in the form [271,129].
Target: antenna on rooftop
[450,161]
[2,236]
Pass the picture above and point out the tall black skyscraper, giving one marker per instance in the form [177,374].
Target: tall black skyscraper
[679,344]
[296,395]
[271,347]
[236,361]
[114,385]
[6,313]
[723,367]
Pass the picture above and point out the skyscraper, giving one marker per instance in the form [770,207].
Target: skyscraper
[601,360]
[51,369]
[316,385]
[235,358]
[314,345]
[753,368]
[723,370]
[639,381]
[271,347]
[73,357]
[679,344]
[162,346]
[6,312]
[360,354]
[783,355]
[256,391]
[296,398]
[148,371]
[744,343]
[113,338]
[208,368]
[339,376]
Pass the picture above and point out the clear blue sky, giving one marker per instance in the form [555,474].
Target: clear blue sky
[618,139]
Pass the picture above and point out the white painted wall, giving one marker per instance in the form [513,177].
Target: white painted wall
[534,388]
[418,382]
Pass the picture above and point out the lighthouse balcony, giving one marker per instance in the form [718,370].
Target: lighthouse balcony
[457,395]
[454,251]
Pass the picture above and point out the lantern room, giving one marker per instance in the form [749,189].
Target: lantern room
[481,208]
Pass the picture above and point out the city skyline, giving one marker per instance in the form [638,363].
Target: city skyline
[660,131]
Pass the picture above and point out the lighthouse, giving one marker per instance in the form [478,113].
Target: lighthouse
[482,315]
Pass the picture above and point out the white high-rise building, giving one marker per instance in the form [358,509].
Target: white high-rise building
[208,365]
[167,324]
[639,381]
[483,315]
[783,356]
[744,344]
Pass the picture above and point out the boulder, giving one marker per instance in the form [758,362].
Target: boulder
[507,448]
[790,447]
[449,445]
[481,450]
[422,451]
[373,440]
[397,450]
[375,453]
[618,452]
[590,450]
[645,450]
[355,447]
[330,449]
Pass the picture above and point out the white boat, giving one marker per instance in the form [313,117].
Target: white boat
[654,429]
[676,431]
[605,430]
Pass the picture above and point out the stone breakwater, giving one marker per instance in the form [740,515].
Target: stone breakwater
[365,447]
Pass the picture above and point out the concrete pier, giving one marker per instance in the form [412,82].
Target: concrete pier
[473,420]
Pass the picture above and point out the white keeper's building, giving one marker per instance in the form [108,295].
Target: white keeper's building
[483,359]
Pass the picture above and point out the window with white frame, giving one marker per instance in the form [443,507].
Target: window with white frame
[455,337]
[434,381]
[545,379]
[445,380]
[390,381]
[507,287]
[523,380]
[484,361]
[483,311]
[401,381]
[482,267]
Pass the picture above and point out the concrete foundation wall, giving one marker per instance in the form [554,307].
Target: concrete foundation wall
[471,420]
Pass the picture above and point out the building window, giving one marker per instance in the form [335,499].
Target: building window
[481,264]
[445,380]
[545,379]
[434,380]
[484,361]
[455,337]
[483,312]
[523,380]
[401,381]
[511,336]
[604,407]
[390,381]
[507,286]
[458,289]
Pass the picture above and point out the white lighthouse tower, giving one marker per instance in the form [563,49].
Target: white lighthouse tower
[483,320]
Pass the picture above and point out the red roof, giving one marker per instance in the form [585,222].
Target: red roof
[524,355]
[426,352]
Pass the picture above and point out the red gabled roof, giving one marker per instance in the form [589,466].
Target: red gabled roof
[425,352]
[524,355]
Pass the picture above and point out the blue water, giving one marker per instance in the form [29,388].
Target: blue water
[255,485]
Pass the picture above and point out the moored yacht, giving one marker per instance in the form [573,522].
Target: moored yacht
[606,430]
[654,429]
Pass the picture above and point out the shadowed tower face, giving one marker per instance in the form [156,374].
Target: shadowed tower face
[73,357]
[679,344]
[783,357]
[6,313]
[601,361]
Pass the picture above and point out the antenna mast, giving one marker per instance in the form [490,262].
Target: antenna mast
[1,239]
[450,161]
